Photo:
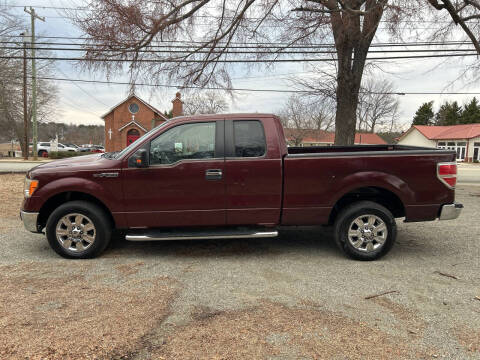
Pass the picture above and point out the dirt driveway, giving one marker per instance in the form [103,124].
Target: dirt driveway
[295,297]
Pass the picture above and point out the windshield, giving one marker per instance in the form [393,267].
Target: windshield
[135,143]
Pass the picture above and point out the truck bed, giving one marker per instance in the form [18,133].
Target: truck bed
[315,178]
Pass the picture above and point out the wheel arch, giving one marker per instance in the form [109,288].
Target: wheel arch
[377,194]
[60,198]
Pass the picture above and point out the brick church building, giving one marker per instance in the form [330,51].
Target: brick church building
[133,117]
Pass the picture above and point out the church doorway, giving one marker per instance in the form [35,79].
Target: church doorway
[132,135]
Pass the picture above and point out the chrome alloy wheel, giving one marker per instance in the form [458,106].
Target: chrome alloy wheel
[367,233]
[75,232]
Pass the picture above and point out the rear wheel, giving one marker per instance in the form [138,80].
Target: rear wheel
[42,153]
[365,230]
[78,229]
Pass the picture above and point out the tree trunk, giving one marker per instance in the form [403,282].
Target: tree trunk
[346,115]
[352,41]
[18,133]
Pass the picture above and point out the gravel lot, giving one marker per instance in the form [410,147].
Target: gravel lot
[295,297]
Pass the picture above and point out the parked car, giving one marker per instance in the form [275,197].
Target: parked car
[43,148]
[98,149]
[78,148]
[232,176]
[82,148]
[93,148]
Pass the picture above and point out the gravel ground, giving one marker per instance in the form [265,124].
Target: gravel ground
[295,297]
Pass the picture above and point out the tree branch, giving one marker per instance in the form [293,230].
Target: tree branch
[454,14]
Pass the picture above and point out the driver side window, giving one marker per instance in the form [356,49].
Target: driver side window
[187,141]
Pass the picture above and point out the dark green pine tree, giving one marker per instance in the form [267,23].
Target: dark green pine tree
[454,114]
[441,114]
[424,114]
[471,112]
[448,114]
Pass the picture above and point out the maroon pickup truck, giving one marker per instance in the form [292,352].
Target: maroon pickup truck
[233,176]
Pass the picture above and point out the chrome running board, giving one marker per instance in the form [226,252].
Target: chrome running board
[159,235]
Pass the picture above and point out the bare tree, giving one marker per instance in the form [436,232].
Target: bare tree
[464,13]
[377,100]
[69,133]
[302,115]
[377,106]
[11,98]
[322,113]
[206,102]
[295,120]
[197,42]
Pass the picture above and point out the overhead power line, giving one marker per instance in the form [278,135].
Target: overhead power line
[401,93]
[51,7]
[102,82]
[67,46]
[167,60]
[411,43]
[206,51]
[83,90]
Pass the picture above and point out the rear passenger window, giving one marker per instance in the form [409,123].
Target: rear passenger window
[249,138]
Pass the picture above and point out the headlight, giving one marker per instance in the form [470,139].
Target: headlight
[29,187]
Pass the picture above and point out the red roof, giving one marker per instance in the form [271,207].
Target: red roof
[466,131]
[321,136]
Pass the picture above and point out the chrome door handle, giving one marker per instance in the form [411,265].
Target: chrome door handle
[213,174]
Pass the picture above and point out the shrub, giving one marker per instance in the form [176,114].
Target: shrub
[65,154]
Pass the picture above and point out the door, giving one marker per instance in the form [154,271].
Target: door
[253,173]
[461,150]
[184,183]
[132,135]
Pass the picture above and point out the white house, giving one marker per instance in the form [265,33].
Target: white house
[464,139]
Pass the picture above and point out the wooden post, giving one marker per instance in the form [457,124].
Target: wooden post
[34,81]
[25,115]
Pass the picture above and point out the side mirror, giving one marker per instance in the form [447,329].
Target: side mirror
[141,158]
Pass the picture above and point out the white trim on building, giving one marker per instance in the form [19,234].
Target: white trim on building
[467,148]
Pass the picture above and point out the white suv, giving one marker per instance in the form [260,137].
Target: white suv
[43,148]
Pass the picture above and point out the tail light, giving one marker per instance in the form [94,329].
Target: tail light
[447,174]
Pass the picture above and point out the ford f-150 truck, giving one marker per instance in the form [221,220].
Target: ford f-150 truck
[233,176]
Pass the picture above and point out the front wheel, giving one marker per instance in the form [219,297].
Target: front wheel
[365,230]
[78,230]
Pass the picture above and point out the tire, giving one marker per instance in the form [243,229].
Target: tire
[84,240]
[42,153]
[359,230]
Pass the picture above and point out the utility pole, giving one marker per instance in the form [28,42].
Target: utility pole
[25,115]
[33,15]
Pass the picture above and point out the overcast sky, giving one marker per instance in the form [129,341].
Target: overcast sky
[82,103]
